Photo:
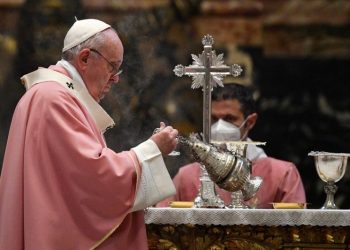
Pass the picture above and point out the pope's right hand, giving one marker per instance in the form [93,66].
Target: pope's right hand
[165,138]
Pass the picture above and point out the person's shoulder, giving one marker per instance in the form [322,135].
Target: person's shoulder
[187,173]
[49,92]
[48,89]
[189,168]
[46,97]
[274,162]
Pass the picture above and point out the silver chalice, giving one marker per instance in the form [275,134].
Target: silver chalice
[330,168]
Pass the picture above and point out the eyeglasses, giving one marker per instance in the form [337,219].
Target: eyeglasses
[113,70]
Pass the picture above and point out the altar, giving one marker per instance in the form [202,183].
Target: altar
[219,229]
[189,228]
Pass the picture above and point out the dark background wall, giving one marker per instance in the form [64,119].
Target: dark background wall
[296,55]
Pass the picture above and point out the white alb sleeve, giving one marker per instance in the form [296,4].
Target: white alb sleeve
[156,183]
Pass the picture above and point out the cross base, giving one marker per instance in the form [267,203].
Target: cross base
[207,197]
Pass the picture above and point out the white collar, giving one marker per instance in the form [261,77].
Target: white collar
[102,119]
[74,74]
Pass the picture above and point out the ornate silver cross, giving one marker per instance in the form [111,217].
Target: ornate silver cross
[208,63]
[207,71]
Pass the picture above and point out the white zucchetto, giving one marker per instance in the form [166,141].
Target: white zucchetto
[82,30]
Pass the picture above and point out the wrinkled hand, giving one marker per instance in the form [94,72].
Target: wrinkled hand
[165,139]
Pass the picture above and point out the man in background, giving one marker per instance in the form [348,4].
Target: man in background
[61,187]
[233,116]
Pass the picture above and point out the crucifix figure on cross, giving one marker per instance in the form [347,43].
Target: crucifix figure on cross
[207,71]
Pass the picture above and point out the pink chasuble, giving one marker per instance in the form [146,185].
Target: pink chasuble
[61,187]
[281,183]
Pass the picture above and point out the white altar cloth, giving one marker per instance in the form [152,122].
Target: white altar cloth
[262,217]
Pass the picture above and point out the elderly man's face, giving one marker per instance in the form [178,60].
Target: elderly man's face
[103,66]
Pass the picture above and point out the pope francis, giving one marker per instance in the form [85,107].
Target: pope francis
[61,187]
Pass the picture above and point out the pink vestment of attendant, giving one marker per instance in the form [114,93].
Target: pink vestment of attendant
[61,186]
[281,183]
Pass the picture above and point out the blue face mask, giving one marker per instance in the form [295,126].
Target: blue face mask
[226,131]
